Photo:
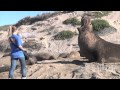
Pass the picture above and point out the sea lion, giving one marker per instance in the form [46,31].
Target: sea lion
[95,48]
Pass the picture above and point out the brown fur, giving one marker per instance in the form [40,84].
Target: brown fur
[95,48]
[44,56]
[32,60]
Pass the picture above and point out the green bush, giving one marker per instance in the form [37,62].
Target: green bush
[1,33]
[73,21]
[105,13]
[64,35]
[30,20]
[100,14]
[99,24]
[4,28]
[97,14]
[67,11]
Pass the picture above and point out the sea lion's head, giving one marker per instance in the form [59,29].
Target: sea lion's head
[86,24]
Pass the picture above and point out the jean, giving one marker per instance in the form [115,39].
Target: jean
[13,66]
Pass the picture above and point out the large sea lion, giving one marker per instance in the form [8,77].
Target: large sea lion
[95,48]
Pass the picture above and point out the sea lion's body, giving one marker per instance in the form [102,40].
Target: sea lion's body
[95,48]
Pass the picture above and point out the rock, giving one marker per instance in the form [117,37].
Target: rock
[74,55]
[94,76]
[6,54]
[4,46]
[33,28]
[4,68]
[63,55]
[32,45]
[42,38]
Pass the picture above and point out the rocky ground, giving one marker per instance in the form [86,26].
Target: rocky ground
[40,39]
[67,69]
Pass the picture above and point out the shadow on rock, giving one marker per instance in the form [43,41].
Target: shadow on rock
[77,62]
[6,68]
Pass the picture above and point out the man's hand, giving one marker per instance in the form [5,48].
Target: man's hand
[10,27]
[25,50]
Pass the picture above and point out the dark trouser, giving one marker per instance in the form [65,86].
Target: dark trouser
[13,67]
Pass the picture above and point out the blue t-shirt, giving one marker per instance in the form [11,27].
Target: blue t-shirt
[16,52]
